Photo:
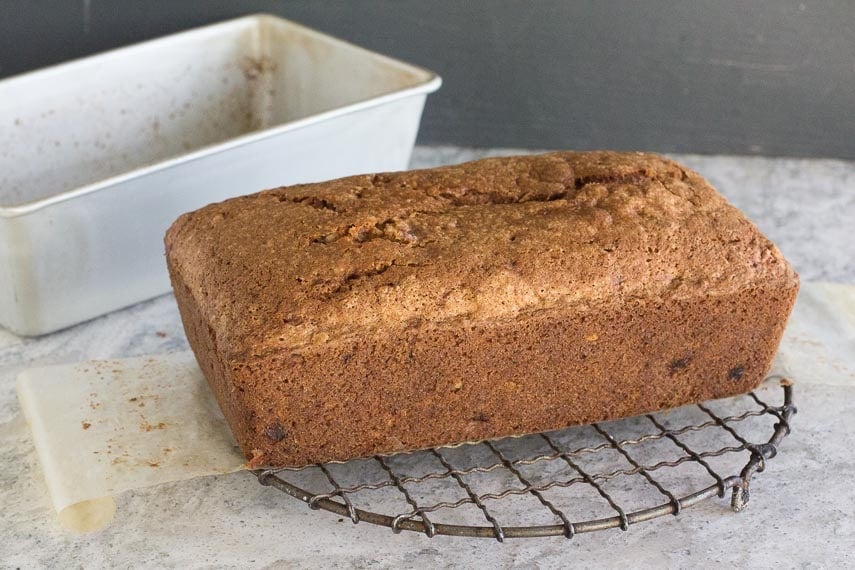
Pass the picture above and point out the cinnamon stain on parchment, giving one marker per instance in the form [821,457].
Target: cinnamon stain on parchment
[147,427]
[119,449]
[122,459]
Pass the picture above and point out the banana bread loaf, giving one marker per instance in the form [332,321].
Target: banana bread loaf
[374,314]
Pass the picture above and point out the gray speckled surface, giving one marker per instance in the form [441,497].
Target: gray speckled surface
[800,513]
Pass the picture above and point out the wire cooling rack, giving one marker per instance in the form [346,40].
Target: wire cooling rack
[577,480]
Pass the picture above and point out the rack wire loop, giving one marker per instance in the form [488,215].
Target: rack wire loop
[553,476]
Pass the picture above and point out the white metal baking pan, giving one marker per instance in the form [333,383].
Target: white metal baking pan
[100,155]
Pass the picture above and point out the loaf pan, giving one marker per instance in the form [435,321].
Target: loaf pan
[100,155]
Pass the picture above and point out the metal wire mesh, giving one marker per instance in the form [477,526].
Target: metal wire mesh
[582,479]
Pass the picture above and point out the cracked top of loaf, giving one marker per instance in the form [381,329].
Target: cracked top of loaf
[499,238]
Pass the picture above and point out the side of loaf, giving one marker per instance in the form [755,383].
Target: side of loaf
[399,311]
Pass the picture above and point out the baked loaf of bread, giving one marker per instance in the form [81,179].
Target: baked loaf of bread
[374,314]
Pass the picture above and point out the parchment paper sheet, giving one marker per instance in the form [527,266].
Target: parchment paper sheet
[101,428]
[819,342]
[104,427]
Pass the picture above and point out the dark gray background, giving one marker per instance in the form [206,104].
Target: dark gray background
[768,77]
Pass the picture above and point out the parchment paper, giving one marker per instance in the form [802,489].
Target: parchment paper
[101,428]
[104,427]
[819,342]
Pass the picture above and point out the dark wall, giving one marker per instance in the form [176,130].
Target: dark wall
[772,77]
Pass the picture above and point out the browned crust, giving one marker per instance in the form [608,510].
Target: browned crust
[305,372]
[202,340]
[417,389]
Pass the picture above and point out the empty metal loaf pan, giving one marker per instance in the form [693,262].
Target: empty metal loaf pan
[100,155]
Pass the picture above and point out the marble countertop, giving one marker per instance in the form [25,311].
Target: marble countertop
[806,206]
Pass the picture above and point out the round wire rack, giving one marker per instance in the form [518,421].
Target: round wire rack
[581,479]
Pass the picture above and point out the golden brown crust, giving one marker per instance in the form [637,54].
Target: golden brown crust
[374,313]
